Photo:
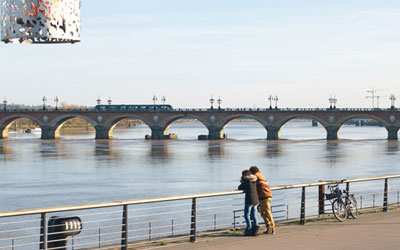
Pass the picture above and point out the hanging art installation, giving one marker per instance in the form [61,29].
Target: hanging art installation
[40,21]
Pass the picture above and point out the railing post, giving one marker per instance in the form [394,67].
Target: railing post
[287,212]
[348,187]
[234,220]
[193,222]
[124,233]
[373,200]
[150,230]
[303,206]
[321,199]
[43,232]
[215,222]
[172,227]
[385,196]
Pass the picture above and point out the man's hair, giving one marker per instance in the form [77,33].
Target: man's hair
[254,169]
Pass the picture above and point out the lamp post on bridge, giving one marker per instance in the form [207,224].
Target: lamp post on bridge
[56,101]
[109,101]
[219,102]
[270,99]
[276,101]
[154,101]
[392,100]
[163,99]
[44,102]
[98,100]
[332,100]
[212,102]
[5,104]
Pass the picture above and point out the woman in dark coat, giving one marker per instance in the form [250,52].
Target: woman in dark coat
[248,185]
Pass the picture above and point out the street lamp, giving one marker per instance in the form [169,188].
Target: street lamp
[334,102]
[109,101]
[5,104]
[44,102]
[219,102]
[163,100]
[330,102]
[154,99]
[270,98]
[212,102]
[98,100]
[56,101]
[276,101]
[392,99]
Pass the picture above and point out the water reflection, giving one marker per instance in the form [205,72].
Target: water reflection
[105,149]
[159,151]
[5,152]
[215,149]
[52,149]
[392,147]
[333,153]
[273,150]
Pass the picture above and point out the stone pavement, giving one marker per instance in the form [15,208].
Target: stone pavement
[367,232]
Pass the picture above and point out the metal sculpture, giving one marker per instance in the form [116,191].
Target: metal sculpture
[40,21]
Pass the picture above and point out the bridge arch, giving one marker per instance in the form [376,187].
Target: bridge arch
[342,121]
[52,130]
[227,120]
[170,122]
[282,123]
[6,122]
[105,131]
[382,123]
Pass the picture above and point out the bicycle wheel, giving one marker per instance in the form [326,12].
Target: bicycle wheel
[352,206]
[339,210]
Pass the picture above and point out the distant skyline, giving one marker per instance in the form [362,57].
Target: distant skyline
[242,51]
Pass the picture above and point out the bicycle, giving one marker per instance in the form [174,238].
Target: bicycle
[344,204]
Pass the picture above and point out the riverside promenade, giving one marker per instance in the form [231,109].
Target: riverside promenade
[369,231]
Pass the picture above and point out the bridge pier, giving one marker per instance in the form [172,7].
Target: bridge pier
[158,133]
[102,132]
[273,132]
[215,133]
[332,132]
[3,133]
[392,132]
[49,133]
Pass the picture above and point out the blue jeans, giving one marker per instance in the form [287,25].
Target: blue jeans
[250,213]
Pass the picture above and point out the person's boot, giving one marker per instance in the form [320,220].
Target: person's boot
[247,232]
[255,230]
[266,229]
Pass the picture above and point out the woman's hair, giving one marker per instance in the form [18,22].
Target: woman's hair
[245,173]
[254,169]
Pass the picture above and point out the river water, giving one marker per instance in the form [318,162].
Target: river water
[77,169]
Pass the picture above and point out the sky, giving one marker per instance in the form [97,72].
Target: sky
[241,51]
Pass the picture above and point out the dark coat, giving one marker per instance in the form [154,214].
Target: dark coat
[250,189]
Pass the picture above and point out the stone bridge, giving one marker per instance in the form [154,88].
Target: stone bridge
[50,121]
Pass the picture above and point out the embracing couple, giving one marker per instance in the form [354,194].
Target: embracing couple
[257,193]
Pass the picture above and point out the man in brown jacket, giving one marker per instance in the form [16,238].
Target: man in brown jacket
[265,197]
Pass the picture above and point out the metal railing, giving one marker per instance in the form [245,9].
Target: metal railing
[158,221]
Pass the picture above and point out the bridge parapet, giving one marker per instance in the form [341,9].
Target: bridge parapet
[214,120]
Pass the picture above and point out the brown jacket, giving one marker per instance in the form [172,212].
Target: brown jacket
[263,189]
